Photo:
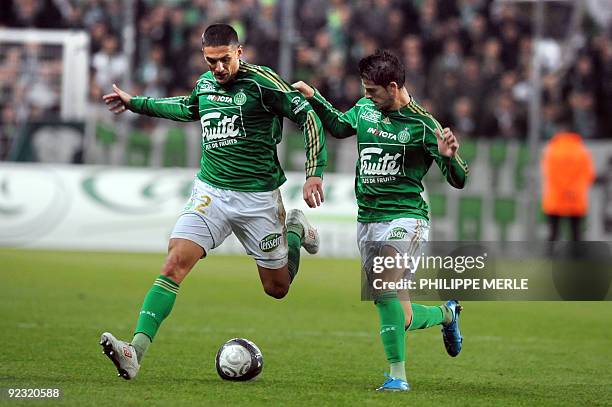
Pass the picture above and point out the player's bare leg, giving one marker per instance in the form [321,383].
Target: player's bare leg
[300,233]
[275,281]
[182,256]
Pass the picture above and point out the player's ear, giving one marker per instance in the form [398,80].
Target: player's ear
[239,51]
[392,87]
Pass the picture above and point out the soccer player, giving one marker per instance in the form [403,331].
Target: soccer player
[397,141]
[240,107]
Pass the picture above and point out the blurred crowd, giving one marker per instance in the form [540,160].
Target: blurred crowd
[468,61]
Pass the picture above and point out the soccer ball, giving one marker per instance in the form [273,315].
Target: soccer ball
[239,360]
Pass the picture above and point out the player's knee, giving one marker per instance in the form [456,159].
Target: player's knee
[276,290]
[174,268]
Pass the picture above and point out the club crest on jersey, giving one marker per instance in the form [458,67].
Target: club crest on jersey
[397,233]
[372,162]
[403,136]
[240,98]
[225,126]
[270,242]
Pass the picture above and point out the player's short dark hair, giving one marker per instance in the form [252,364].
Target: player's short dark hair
[382,68]
[217,35]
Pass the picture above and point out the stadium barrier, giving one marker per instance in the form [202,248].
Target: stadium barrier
[134,209]
[111,208]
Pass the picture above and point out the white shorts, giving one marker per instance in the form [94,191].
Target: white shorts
[256,218]
[406,235]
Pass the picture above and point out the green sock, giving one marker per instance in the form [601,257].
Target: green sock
[424,316]
[156,307]
[141,343]
[294,241]
[392,331]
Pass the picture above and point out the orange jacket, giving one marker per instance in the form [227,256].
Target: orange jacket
[567,172]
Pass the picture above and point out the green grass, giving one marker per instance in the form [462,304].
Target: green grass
[320,344]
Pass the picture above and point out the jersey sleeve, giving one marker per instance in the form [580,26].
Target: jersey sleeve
[338,124]
[454,169]
[286,101]
[178,108]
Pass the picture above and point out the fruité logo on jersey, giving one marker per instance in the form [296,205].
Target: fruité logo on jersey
[403,136]
[372,162]
[397,234]
[270,242]
[240,98]
[225,128]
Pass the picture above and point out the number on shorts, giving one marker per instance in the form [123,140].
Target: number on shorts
[206,201]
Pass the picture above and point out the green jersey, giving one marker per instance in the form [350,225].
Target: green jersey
[241,126]
[396,149]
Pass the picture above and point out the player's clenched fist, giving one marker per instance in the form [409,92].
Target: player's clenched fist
[447,142]
[304,88]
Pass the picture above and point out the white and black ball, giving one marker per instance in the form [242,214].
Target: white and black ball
[239,360]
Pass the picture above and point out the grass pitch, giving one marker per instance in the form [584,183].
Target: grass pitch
[320,344]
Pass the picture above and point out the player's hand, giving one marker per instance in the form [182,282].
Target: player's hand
[447,142]
[304,88]
[313,192]
[117,101]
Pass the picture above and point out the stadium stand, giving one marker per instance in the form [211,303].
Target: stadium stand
[467,60]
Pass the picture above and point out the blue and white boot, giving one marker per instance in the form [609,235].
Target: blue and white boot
[450,332]
[394,384]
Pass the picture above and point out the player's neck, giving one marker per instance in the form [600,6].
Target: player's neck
[402,99]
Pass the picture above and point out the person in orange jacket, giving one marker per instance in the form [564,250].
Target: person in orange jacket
[567,175]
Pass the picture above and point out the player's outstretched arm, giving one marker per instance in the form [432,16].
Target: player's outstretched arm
[338,124]
[179,108]
[444,146]
[118,100]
